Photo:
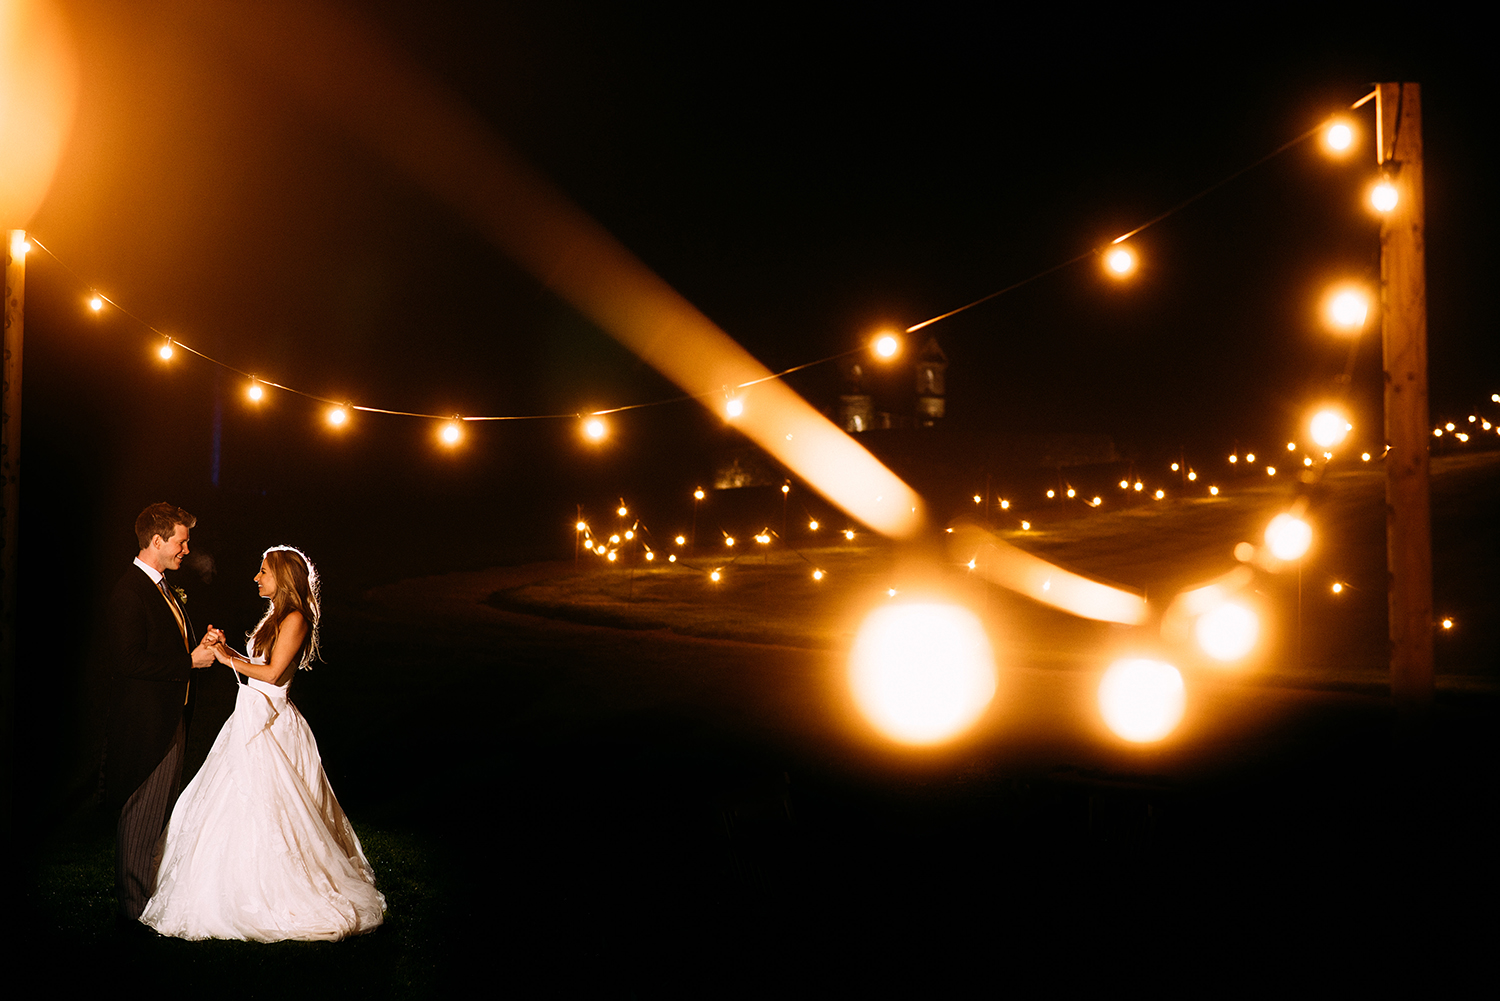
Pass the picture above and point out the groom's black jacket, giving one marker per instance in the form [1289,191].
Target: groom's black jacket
[149,673]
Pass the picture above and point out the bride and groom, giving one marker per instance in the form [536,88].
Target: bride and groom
[256,847]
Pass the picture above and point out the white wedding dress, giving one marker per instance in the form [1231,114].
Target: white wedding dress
[257,847]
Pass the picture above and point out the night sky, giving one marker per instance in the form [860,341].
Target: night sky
[804,175]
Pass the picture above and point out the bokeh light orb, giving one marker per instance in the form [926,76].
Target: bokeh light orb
[886,346]
[1142,700]
[1349,309]
[1339,136]
[734,407]
[1288,537]
[1328,428]
[1120,262]
[451,434]
[1228,632]
[337,416]
[922,673]
[594,429]
[1383,196]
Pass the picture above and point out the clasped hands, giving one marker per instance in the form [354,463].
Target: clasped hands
[210,648]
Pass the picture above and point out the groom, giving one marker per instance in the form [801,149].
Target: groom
[152,657]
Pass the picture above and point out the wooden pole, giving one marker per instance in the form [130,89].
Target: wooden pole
[10,464]
[1403,286]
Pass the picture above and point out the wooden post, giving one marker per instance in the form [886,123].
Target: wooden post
[10,456]
[1403,286]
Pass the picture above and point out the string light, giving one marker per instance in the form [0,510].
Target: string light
[1383,196]
[729,541]
[337,416]
[1213,491]
[681,540]
[1250,457]
[698,494]
[96,303]
[1348,309]
[255,392]
[734,407]
[1004,505]
[450,434]
[166,350]
[849,534]
[1338,137]
[1192,476]
[1364,456]
[594,429]
[1233,459]
[1025,526]
[714,576]
[1338,588]
[812,526]
[1270,470]
[1288,537]
[886,345]
[1120,262]
[817,575]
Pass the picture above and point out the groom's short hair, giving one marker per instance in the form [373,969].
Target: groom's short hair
[160,519]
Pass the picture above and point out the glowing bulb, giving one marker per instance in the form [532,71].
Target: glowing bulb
[1124,484]
[1051,493]
[166,350]
[1288,537]
[1447,623]
[1364,456]
[1005,505]
[1291,446]
[1120,262]
[922,673]
[681,540]
[714,576]
[1338,137]
[1097,501]
[650,555]
[255,392]
[1383,196]
[1025,526]
[629,534]
[621,511]
[849,534]
[581,527]
[817,575]
[1234,458]
[734,407]
[891,592]
[1192,476]
[886,346]
[337,416]
[971,564]
[614,540]
[1139,486]
[1142,700]
[594,429]
[1227,632]
[1448,426]
[698,494]
[812,526]
[1160,494]
[1307,461]
[1338,588]
[1213,491]
[976,498]
[1349,309]
[96,304]
[19,247]
[1072,492]
[729,540]
[1437,432]
[450,433]
[672,558]
[786,488]
[613,555]
[1175,467]
[1250,457]
[1270,470]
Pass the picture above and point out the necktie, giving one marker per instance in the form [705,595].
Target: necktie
[161,585]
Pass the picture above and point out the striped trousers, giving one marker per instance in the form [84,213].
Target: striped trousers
[142,821]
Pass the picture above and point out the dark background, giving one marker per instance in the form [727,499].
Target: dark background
[803,175]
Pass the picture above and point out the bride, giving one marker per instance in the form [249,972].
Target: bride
[257,847]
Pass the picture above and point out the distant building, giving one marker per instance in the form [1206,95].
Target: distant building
[931,365]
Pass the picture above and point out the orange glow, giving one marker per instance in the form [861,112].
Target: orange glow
[1270,470]
[849,534]
[1008,566]
[1120,262]
[96,304]
[818,575]
[1328,427]
[450,433]
[1213,491]
[1288,537]
[1227,632]
[1338,136]
[1142,700]
[1338,588]
[255,392]
[1250,457]
[681,540]
[621,511]
[1347,309]
[729,541]
[715,576]
[337,416]
[166,350]
[38,92]
[698,494]
[922,673]
[594,429]
[812,526]
[581,527]
[886,346]
[1383,196]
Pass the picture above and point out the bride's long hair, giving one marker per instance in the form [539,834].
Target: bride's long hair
[296,590]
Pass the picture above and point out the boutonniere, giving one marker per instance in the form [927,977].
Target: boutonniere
[181,595]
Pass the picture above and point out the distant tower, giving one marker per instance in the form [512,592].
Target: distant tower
[931,364]
[856,409]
